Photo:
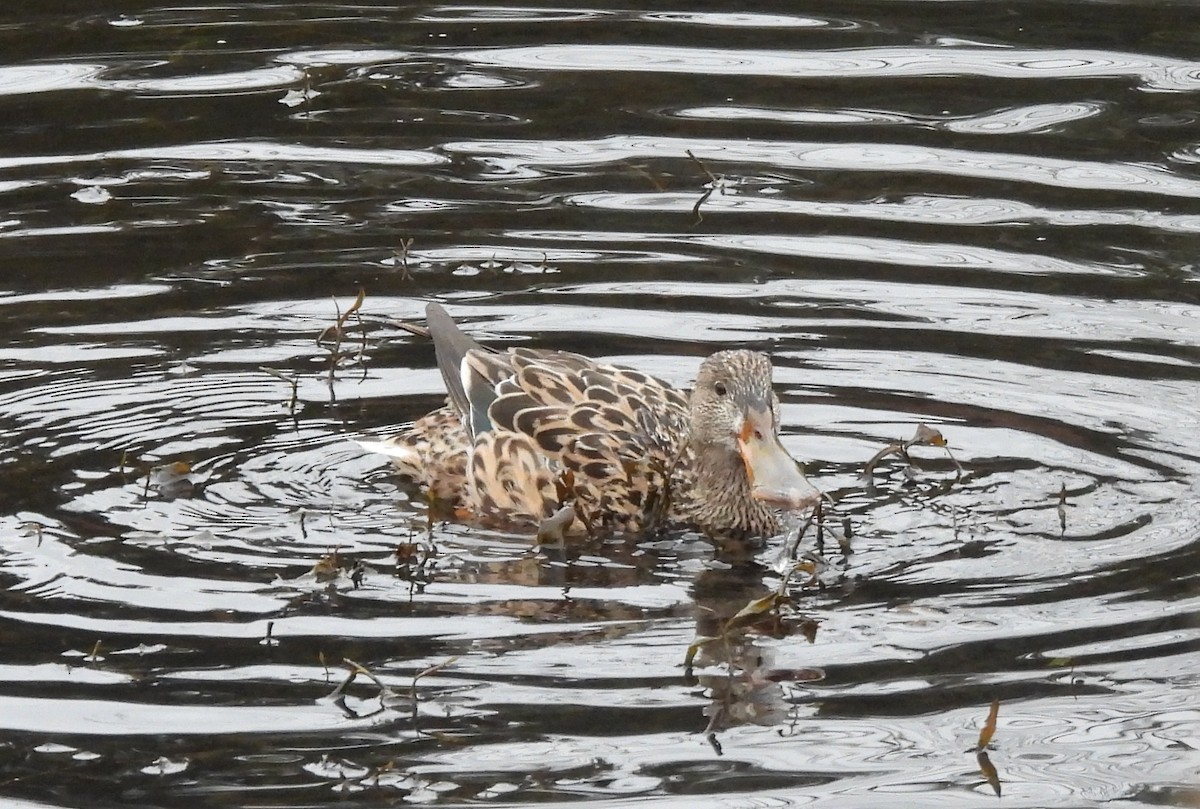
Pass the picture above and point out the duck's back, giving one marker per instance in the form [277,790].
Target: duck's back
[604,437]
[527,431]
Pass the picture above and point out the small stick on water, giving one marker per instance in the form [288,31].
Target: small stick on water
[358,668]
[268,640]
[362,348]
[32,528]
[402,258]
[332,354]
[295,383]
[819,519]
[715,183]
[712,178]
[338,329]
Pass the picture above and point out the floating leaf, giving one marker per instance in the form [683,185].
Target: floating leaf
[927,436]
[407,553]
[695,647]
[989,726]
[988,770]
[755,609]
[327,567]
[171,480]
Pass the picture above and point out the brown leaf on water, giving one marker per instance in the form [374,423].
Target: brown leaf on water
[354,307]
[988,770]
[989,726]
[407,553]
[169,473]
[327,567]
[171,480]
[695,647]
[754,610]
[927,436]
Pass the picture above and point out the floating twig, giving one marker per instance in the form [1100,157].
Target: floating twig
[715,183]
[338,330]
[291,380]
[268,638]
[925,436]
[402,259]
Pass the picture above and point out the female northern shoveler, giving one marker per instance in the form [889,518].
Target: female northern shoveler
[526,432]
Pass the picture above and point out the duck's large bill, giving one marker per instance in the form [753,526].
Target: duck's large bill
[775,477]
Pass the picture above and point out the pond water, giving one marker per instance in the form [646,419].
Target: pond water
[980,216]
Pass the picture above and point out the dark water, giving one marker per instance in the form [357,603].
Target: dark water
[982,216]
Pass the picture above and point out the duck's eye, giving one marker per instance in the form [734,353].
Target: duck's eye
[719,388]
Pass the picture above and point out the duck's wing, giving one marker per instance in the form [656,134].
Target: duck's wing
[615,430]
[540,424]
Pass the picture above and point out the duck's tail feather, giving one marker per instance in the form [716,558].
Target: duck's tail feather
[471,390]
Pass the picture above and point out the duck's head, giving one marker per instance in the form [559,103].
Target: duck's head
[735,413]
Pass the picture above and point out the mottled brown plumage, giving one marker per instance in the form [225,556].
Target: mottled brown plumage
[525,432]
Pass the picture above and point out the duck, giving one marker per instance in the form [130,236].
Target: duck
[529,435]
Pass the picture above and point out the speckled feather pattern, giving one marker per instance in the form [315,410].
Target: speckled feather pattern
[609,436]
[527,431]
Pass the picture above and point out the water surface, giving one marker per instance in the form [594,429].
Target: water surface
[974,216]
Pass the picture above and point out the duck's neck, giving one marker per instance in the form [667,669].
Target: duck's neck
[723,505]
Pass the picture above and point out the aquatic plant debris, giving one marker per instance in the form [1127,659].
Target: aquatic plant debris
[715,183]
[171,480]
[387,695]
[291,380]
[338,331]
[988,770]
[401,258]
[989,726]
[925,436]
